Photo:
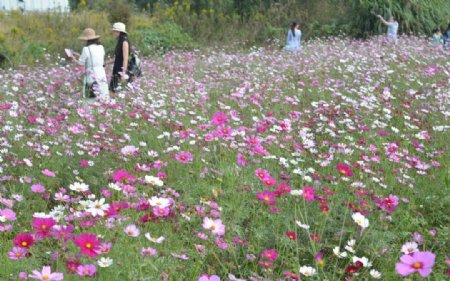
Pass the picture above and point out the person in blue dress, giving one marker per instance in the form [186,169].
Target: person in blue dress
[294,36]
[392,26]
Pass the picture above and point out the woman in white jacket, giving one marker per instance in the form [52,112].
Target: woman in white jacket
[92,58]
[294,37]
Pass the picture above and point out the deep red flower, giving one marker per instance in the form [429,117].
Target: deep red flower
[24,240]
[72,267]
[291,235]
[344,170]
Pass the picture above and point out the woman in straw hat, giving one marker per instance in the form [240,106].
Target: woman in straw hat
[92,58]
[122,53]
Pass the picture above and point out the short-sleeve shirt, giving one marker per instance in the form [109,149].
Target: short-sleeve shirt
[392,29]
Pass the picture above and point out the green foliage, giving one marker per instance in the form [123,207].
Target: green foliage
[419,17]
[161,37]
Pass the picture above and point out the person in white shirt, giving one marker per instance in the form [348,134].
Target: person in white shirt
[392,26]
[293,39]
[92,58]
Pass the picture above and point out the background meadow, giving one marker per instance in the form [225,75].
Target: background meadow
[252,164]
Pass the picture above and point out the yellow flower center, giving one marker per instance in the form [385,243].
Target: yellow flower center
[88,245]
[417,265]
[45,277]
[213,227]
[266,198]
[24,243]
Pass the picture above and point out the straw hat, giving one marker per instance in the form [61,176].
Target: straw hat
[88,34]
[120,27]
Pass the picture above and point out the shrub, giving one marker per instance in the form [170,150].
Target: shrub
[161,37]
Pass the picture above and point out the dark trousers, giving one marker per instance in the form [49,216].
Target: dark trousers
[115,81]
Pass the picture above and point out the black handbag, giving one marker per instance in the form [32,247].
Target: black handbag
[90,90]
[134,65]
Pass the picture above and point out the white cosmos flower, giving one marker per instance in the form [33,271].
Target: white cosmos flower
[375,274]
[158,240]
[296,192]
[307,270]
[365,261]
[410,247]
[79,187]
[300,224]
[360,220]
[105,262]
[159,201]
[98,207]
[338,253]
[114,186]
[154,181]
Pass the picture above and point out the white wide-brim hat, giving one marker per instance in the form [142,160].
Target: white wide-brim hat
[88,34]
[120,27]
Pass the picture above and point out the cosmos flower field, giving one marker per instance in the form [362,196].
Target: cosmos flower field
[331,164]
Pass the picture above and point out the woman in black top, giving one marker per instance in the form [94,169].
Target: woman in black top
[122,53]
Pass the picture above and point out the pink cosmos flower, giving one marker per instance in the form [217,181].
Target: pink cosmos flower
[388,204]
[219,118]
[132,230]
[221,243]
[269,255]
[161,212]
[8,214]
[344,170]
[37,188]
[206,277]
[261,173]
[147,252]
[267,197]
[269,181]
[309,193]
[17,253]
[216,226]
[184,157]
[129,150]
[88,244]
[421,262]
[241,160]
[43,226]
[48,173]
[46,275]
[86,270]
[253,141]
[104,248]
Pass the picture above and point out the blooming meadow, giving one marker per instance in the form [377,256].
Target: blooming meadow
[331,164]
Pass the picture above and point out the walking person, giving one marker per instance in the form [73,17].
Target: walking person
[392,26]
[446,37]
[121,56]
[294,36]
[92,58]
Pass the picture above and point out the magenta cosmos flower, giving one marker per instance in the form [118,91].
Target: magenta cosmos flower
[88,244]
[43,226]
[46,275]
[219,118]
[23,240]
[184,157]
[421,262]
[344,170]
